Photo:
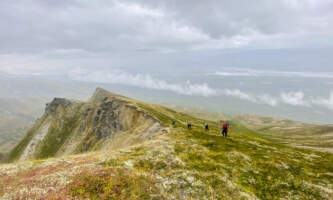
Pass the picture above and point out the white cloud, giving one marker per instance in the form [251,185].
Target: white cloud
[271,73]
[187,88]
[294,98]
[325,102]
[203,89]
[232,74]
[290,98]
[267,99]
[143,81]
[138,10]
[260,99]
[239,94]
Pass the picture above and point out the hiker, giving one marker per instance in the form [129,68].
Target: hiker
[225,129]
[206,127]
[189,125]
[173,122]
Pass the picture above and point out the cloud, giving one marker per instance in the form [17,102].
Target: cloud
[267,99]
[92,26]
[259,99]
[198,89]
[113,25]
[294,98]
[239,94]
[280,20]
[143,81]
[232,74]
[187,88]
[185,32]
[325,102]
[269,73]
[290,98]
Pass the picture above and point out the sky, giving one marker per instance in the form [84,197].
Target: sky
[188,47]
[57,37]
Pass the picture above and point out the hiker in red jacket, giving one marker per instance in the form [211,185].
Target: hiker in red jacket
[225,129]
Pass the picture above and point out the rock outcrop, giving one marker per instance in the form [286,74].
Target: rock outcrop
[52,107]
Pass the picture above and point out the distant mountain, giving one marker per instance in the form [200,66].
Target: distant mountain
[294,133]
[16,116]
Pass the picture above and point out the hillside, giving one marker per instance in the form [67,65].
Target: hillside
[293,133]
[106,121]
[16,116]
[139,154]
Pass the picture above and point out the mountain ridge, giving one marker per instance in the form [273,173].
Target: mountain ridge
[70,126]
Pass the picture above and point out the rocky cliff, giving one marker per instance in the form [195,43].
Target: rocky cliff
[106,121]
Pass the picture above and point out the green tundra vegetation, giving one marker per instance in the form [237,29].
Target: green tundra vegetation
[245,165]
[183,163]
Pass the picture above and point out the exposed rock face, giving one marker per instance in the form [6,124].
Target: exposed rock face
[35,141]
[106,121]
[52,107]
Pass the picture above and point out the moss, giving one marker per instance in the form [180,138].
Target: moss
[150,164]
[113,163]
[179,148]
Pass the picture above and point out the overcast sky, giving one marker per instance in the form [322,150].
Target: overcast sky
[62,36]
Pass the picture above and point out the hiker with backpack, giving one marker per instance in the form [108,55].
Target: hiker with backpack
[225,129]
[206,127]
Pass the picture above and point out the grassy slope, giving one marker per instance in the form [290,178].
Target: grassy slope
[258,166]
[317,137]
[188,164]
[53,142]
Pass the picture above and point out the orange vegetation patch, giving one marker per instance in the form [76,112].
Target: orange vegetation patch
[113,183]
[31,176]
[41,182]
